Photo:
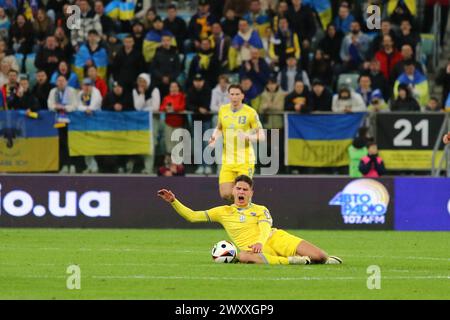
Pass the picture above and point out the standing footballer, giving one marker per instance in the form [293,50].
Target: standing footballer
[239,125]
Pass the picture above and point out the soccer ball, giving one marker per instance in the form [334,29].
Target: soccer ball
[224,252]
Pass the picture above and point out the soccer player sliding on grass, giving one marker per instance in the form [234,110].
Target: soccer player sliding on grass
[250,227]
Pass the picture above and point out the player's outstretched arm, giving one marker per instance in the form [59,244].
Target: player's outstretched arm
[187,213]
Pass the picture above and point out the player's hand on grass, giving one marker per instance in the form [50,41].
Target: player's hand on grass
[446,138]
[256,248]
[166,195]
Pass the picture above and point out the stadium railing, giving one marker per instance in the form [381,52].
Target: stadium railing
[445,160]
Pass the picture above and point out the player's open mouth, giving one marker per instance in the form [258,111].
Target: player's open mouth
[241,198]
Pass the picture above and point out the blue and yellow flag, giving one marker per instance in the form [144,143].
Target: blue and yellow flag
[320,140]
[110,133]
[112,9]
[122,10]
[26,144]
[323,9]
[99,58]
[152,41]
[410,4]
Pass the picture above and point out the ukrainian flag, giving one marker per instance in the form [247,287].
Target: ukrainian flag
[126,10]
[323,8]
[123,10]
[261,24]
[320,140]
[99,58]
[112,9]
[152,41]
[26,144]
[110,133]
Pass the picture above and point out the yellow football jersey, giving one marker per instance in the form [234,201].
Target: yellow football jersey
[241,224]
[233,123]
[245,227]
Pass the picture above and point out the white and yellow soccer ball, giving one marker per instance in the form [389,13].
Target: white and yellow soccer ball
[224,252]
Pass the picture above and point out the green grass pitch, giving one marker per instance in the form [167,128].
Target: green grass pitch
[176,264]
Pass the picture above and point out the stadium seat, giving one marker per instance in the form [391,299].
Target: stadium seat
[427,43]
[19,59]
[187,62]
[233,77]
[372,35]
[122,36]
[426,47]
[348,80]
[31,68]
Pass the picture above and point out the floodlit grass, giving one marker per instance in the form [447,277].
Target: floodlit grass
[176,264]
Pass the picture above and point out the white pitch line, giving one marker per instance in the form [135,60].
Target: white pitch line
[212,265]
[201,252]
[400,257]
[168,250]
[146,277]
[107,264]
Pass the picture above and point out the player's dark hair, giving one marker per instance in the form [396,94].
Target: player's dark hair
[235,86]
[245,179]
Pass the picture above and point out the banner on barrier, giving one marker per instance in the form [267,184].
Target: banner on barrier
[320,140]
[131,202]
[406,141]
[422,204]
[27,144]
[363,201]
[110,133]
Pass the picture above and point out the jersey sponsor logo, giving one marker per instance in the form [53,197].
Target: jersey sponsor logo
[241,218]
[92,204]
[363,201]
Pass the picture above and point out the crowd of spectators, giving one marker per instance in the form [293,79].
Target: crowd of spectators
[283,53]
